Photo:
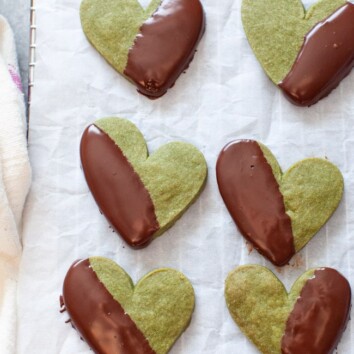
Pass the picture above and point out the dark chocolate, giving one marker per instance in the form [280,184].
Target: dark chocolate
[118,190]
[252,196]
[320,315]
[98,317]
[326,57]
[165,46]
[62,305]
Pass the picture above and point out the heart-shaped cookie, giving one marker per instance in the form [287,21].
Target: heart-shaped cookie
[114,316]
[140,196]
[306,53]
[150,47]
[278,213]
[310,319]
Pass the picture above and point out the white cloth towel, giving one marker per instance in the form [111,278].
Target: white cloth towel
[15,177]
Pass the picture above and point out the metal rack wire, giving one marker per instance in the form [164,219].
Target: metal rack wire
[32,54]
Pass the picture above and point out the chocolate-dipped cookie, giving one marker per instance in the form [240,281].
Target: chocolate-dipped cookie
[114,316]
[305,53]
[310,319]
[277,212]
[140,195]
[150,47]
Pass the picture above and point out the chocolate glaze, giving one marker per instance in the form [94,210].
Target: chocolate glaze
[252,196]
[326,57]
[98,317]
[117,189]
[165,46]
[320,315]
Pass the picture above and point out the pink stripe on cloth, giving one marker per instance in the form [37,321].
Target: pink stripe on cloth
[15,77]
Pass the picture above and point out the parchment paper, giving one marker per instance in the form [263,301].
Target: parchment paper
[224,95]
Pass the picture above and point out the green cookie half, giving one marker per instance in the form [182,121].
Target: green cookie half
[112,26]
[312,189]
[111,313]
[309,319]
[278,212]
[276,29]
[140,195]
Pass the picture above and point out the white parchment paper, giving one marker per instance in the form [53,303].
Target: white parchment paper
[224,95]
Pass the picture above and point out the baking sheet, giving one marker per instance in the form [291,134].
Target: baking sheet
[224,96]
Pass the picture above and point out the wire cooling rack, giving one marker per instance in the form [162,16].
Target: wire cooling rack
[32,54]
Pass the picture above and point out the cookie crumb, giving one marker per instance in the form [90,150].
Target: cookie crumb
[298,261]
[250,247]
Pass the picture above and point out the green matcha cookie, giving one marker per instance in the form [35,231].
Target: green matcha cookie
[150,47]
[110,313]
[309,319]
[306,53]
[277,212]
[140,195]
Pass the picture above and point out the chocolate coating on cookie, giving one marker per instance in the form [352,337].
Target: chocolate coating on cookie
[117,188]
[327,56]
[98,317]
[252,196]
[165,46]
[320,315]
